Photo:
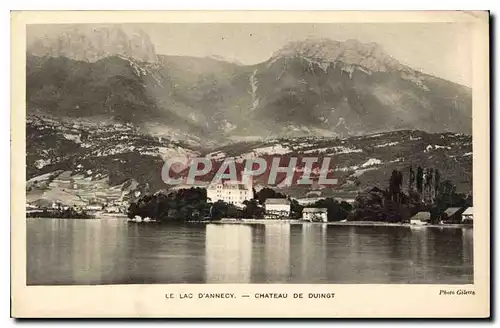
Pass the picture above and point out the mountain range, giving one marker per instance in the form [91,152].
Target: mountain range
[103,104]
[314,86]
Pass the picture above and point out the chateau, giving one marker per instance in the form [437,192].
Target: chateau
[230,192]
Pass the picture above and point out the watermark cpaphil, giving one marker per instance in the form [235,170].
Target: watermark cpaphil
[271,170]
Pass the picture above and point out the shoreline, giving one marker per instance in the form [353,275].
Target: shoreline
[62,218]
[335,223]
[267,221]
[88,216]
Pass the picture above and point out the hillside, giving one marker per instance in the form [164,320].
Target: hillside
[111,155]
[104,154]
[367,161]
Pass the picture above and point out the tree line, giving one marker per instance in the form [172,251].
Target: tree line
[192,204]
[425,192]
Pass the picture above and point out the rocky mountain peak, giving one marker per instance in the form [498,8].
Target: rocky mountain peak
[92,43]
[370,56]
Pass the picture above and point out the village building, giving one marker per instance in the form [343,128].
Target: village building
[113,209]
[57,204]
[468,215]
[277,208]
[230,192]
[31,206]
[313,214]
[93,207]
[452,215]
[421,218]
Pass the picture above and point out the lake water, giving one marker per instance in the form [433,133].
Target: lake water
[112,251]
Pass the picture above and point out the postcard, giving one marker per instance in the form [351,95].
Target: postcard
[255,164]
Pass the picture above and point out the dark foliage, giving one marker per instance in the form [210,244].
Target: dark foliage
[69,213]
[337,211]
[184,204]
[393,205]
[266,193]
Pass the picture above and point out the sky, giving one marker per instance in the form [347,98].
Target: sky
[439,49]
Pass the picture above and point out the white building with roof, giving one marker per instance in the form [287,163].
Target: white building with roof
[277,207]
[421,218]
[314,214]
[468,215]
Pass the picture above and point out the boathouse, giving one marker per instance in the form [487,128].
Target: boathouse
[313,214]
[452,215]
[468,215]
[421,218]
[277,208]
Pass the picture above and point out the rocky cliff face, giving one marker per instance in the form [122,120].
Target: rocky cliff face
[91,43]
[353,88]
[370,56]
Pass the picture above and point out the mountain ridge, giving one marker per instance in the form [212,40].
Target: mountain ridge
[313,86]
[93,42]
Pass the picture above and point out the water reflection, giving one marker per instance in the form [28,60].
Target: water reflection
[113,252]
[277,252]
[468,245]
[314,253]
[228,250]
[86,255]
[168,254]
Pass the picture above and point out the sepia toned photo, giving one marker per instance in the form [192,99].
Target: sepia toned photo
[304,153]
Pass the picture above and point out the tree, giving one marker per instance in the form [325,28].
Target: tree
[266,193]
[448,197]
[295,209]
[428,173]
[183,204]
[437,182]
[252,209]
[411,179]
[395,183]
[335,211]
[369,207]
[420,179]
[132,210]
[447,188]
[219,210]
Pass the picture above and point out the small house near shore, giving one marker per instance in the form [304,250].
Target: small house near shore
[468,215]
[277,208]
[421,218]
[313,214]
[93,207]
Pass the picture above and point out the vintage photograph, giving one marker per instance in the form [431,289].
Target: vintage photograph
[249,153]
